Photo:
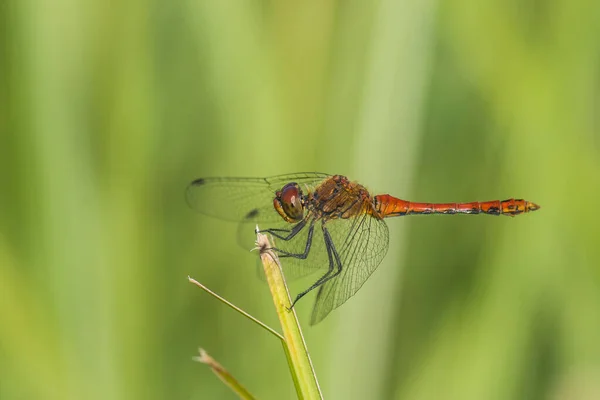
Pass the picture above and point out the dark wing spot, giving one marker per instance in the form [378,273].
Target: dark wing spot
[198,182]
[252,214]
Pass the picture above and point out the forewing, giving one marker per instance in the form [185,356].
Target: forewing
[244,199]
[361,244]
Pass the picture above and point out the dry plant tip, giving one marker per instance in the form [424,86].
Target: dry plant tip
[203,358]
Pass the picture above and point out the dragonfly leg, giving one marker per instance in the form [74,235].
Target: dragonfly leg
[290,232]
[334,261]
[302,256]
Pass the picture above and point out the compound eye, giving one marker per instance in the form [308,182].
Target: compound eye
[289,200]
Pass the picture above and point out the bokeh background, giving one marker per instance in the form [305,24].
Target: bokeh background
[108,110]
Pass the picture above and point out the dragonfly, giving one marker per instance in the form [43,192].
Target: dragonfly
[323,222]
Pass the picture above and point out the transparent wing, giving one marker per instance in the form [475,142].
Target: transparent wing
[244,199]
[361,244]
[296,268]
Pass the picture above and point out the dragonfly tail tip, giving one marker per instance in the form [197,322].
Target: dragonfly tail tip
[532,206]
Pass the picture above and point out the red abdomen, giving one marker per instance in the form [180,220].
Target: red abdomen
[389,206]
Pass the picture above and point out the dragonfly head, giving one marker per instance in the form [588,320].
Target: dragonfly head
[289,203]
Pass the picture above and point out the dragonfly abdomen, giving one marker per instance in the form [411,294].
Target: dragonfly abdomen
[389,206]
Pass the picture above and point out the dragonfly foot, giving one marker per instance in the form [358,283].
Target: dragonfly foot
[294,302]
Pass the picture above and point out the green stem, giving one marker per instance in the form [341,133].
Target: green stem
[299,361]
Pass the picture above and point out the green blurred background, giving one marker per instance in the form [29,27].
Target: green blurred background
[108,110]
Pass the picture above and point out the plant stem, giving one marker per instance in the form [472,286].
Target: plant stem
[299,361]
[224,375]
[236,308]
